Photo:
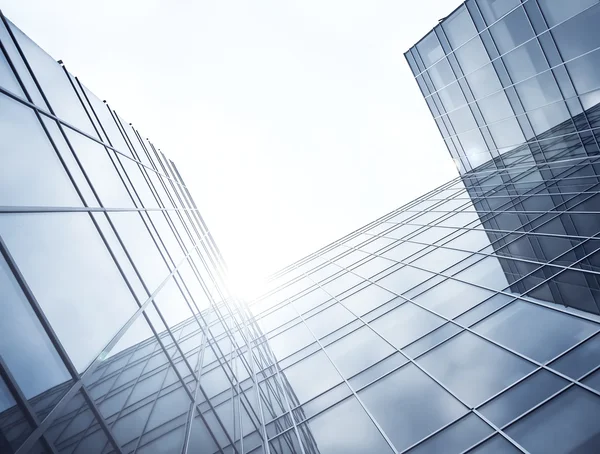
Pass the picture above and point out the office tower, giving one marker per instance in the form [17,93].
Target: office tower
[464,321]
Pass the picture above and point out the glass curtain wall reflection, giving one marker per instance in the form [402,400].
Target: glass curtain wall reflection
[465,321]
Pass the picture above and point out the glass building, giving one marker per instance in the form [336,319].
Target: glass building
[465,321]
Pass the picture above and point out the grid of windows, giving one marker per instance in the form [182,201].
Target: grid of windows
[467,320]
[498,74]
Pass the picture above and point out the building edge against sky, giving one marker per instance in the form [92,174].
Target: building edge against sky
[464,321]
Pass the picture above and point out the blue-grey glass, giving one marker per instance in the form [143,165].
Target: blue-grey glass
[535,331]
[170,443]
[404,279]
[473,368]
[277,318]
[101,171]
[441,74]
[451,298]
[487,273]
[377,244]
[290,341]
[525,61]
[493,10]
[459,27]
[367,299]
[341,284]
[141,247]
[543,430]
[408,405]
[495,445]
[328,320]
[80,289]
[8,81]
[55,83]
[455,438]
[285,444]
[452,97]
[357,351]
[547,117]
[579,34]
[521,397]
[483,309]
[24,346]
[168,407]
[24,142]
[472,55]
[404,249]
[322,402]
[432,339]
[102,112]
[430,49]
[556,11]
[301,389]
[140,184]
[580,360]
[495,107]
[377,371]
[507,134]
[359,433]
[512,30]
[462,119]
[405,324]
[14,428]
[484,81]
[374,266]
[323,273]
[583,72]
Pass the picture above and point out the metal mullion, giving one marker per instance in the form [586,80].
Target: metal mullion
[121,129]
[48,420]
[89,371]
[414,363]
[194,405]
[28,293]
[21,400]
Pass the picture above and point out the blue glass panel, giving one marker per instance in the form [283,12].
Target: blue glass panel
[523,396]
[512,30]
[459,27]
[579,34]
[535,331]
[473,368]
[24,345]
[408,405]
[557,11]
[493,10]
[79,288]
[359,433]
[31,173]
[543,430]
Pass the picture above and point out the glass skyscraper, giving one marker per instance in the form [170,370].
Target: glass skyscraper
[465,321]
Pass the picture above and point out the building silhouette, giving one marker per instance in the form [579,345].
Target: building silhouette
[464,321]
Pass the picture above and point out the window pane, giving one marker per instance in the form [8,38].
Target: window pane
[472,56]
[329,320]
[405,324]
[409,405]
[535,331]
[557,10]
[473,368]
[55,83]
[451,298]
[367,299]
[493,10]
[511,31]
[580,360]
[31,173]
[430,49]
[348,418]
[14,428]
[73,276]
[290,341]
[341,284]
[456,438]
[459,27]
[24,345]
[579,34]
[302,389]
[520,398]
[357,351]
[544,429]
[525,61]
[101,171]
[404,279]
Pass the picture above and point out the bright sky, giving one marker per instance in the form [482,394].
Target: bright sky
[292,122]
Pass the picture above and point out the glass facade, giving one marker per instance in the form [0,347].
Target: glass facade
[467,320]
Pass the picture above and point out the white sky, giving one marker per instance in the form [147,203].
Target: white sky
[292,122]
